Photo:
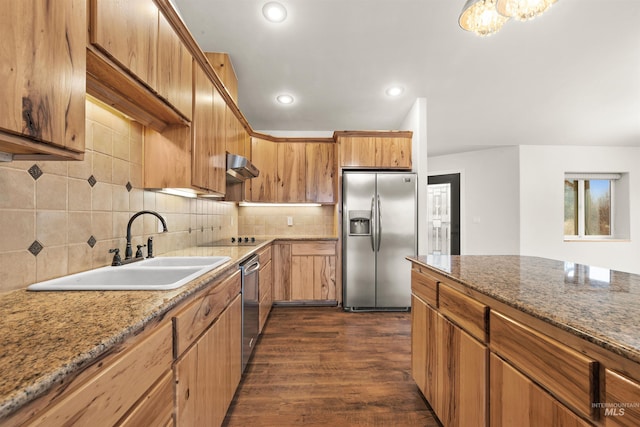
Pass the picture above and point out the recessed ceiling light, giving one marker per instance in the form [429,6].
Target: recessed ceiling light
[285,99]
[274,12]
[394,91]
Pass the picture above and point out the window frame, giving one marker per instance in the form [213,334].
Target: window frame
[581,214]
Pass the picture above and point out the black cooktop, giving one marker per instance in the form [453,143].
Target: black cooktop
[235,241]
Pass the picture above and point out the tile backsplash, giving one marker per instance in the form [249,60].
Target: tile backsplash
[62,217]
[273,221]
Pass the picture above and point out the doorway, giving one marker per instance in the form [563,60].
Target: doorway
[443,214]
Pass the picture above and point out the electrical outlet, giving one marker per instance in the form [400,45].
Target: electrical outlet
[289,221]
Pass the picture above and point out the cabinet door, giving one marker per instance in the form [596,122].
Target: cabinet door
[265,156]
[518,401]
[291,175]
[127,31]
[232,137]
[393,153]
[320,172]
[302,278]
[218,159]
[357,151]
[202,129]
[209,373]
[43,72]
[424,345]
[266,293]
[461,396]
[174,65]
[282,272]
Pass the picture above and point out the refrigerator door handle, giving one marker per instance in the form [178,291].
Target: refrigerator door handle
[373,229]
[378,224]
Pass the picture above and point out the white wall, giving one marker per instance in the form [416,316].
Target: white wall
[416,121]
[489,199]
[542,170]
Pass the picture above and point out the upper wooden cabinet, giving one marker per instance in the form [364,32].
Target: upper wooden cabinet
[265,156]
[208,136]
[291,177]
[293,171]
[320,165]
[174,79]
[43,79]
[223,67]
[385,150]
[137,63]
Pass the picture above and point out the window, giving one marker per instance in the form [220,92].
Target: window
[589,204]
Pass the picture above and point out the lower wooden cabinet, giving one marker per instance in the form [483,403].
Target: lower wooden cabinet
[622,400]
[115,387]
[155,408]
[304,271]
[518,401]
[265,292]
[208,374]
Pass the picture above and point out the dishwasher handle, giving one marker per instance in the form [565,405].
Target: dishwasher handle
[251,268]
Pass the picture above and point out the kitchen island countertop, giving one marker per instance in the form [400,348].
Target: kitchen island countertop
[47,337]
[596,304]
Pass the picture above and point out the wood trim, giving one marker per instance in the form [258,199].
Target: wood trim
[327,140]
[30,149]
[373,133]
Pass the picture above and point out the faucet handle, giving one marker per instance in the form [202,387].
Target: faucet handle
[116,257]
[139,251]
[150,247]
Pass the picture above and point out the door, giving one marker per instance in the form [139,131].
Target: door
[359,273]
[396,238]
[443,214]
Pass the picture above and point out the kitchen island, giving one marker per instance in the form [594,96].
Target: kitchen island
[53,341]
[519,331]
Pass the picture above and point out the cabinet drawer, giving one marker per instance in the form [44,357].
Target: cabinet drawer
[265,255]
[156,409]
[424,286]
[105,398]
[567,374]
[468,313]
[313,248]
[189,323]
[618,391]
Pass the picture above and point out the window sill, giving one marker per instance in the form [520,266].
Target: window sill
[592,240]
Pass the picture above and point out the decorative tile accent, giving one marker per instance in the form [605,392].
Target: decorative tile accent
[129,186]
[92,241]
[35,172]
[92,180]
[35,248]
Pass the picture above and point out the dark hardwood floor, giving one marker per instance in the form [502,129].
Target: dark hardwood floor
[318,366]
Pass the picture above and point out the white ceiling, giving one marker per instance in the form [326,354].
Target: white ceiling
[571,76]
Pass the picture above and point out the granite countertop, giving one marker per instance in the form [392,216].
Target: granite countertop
[597,304]
[47,336]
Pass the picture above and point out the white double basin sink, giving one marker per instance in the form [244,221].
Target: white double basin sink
[154,274]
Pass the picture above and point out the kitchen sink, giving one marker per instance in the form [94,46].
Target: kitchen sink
[155,274]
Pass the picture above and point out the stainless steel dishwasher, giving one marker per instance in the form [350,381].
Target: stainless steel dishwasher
[250,306]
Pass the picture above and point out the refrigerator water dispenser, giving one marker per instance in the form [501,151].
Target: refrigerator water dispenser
[359,223]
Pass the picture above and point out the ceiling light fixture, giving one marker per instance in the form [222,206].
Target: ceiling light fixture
[481,17]
[394,91]
[523,10]
[274,12]
[284,99]
[485,17]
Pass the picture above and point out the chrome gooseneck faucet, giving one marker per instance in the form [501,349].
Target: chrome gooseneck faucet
[128,252]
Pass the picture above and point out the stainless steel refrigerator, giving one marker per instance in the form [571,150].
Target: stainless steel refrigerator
[379,223]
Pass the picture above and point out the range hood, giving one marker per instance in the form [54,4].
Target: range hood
[240,169]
